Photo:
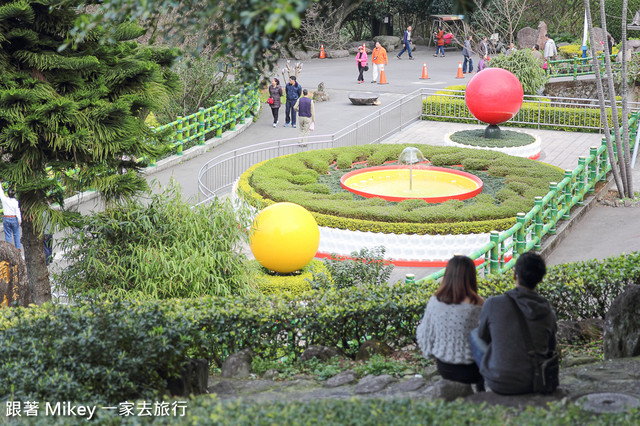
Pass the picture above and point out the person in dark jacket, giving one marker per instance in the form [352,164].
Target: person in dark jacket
[275,93]
[294,91]
[498,345]
[406,42]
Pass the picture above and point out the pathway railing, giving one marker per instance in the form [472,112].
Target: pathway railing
[196,128]
[218,174]
[578,66]
[503,248]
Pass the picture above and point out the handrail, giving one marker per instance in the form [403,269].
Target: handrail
[576,66]
[542,219]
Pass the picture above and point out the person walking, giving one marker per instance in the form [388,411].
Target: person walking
[451,314]
[549,50]
[466,53]
[440,42]
[12,218]
[293,91]
[275,93]
[379,60]
[483,47]
[307,114]
[406,41]
[361,61]
[610,43]
[500,345]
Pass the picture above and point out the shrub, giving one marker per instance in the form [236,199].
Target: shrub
[293,284]
[366,267]
[270,182]
[158,248]
[91,352]
[524,66]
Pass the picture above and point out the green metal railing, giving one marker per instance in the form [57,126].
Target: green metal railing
[578,66]
[195,128]
[502,250]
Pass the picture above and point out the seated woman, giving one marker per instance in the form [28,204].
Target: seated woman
[451,314]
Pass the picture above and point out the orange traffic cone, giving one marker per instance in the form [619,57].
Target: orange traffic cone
[459,71]
[383,78]
[322,56]
[425,74]
[364,47]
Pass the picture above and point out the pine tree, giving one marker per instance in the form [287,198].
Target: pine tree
[72,119]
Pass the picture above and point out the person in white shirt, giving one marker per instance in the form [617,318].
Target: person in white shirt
[12,218]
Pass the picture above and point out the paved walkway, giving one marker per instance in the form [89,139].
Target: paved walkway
[605,231]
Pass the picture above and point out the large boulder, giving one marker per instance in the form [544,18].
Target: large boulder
[335,54]
[364,98]
[526,38]
[301,55]
[542,30]
[323,353]
[448,390]
[371,384]
[622,325]
[633,45]
[601,39]
[578,332]
[388,42]
[372,347]
[238,364]
[193,379]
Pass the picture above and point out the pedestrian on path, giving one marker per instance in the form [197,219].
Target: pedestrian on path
[306,110]
[466,53]
[361,61]
[406,41]
[440,42]
[293,90]
[549,50]
[483,47]
[12,218]
[275,93]
[379,55]
[451,314]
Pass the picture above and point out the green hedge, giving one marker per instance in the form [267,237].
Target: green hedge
[570,119]
[281,179]
[294,285]
[508,138]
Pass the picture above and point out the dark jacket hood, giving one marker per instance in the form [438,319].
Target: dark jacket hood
[532,305]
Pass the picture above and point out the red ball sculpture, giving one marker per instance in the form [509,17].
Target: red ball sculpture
[494,95]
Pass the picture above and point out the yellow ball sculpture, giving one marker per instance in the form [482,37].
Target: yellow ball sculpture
[285,237]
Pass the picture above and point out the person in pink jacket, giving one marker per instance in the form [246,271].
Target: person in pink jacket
[361,60]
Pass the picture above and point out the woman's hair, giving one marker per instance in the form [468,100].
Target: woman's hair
[276,80]
[459,282]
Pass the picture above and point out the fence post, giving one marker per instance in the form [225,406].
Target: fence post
[219,119]
[604,162]
[201,137]
[575,68]
[553,188]
[538,224]
[582,162]
[494,265]
[567,192]
[593,169]
[520,234]
[179,135]
[233,106]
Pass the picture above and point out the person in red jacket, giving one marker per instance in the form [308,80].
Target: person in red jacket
[440,42]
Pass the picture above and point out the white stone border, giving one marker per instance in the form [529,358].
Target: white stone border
[531,150]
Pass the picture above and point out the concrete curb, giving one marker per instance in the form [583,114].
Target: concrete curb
[169,162]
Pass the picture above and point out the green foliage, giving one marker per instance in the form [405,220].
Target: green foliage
[508,138]
[275,181]
[91,352]
[524,66]
[158,248]
[366,267]
[379,365]
[294,284]
[392,412]
[613,13]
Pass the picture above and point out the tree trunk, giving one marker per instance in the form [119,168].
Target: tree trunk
[625,107]
[603,109]
[37,271]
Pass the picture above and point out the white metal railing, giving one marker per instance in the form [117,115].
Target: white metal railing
[218,174]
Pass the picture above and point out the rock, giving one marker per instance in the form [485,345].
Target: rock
[388,42]
[320,95]
[341,379]
[372,347]
[301,55]
[222,388]
[323,353]
[601,39]
[193,379]
[575,332]
[622,325]
[371,383]
[419,41]
[14,285]
[364,98]
[542,30]
[238,364]
[517,401]
[334,54]
[633,45]
[449,391]
[271,374]
[607,402]
[526,38]
[430,372]
[409,385]
[579,360]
